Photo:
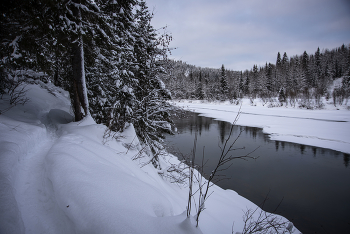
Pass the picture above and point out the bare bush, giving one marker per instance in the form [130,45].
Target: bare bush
[13,91]
[176,173]
[259,221]
[224,163]
[264,100]
[338,96]
[236,101]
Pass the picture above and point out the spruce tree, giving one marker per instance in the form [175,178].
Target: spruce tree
[247,83]
[223,83]
[241,84]
[200,90]
[111,79]
[255,80]
[278,72]
[305,67]
[269,79]
[151,116]
[287,81]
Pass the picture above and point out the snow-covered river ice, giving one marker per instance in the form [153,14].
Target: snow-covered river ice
[312,183]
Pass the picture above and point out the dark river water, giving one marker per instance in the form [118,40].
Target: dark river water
[314,183]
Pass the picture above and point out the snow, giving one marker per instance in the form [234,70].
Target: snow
[59,176]
[325,128]
[14,44]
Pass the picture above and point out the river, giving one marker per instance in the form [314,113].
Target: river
[312,185]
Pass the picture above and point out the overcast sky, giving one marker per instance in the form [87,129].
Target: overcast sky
[241,33]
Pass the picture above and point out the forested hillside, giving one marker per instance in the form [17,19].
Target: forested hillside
[290,79]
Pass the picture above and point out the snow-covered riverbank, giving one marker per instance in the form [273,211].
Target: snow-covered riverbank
[325,128]
[59,176]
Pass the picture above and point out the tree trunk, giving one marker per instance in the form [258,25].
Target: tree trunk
[80,90]
[79,75]
[75,102]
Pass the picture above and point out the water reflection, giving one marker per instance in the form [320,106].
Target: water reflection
[282,144]
[346,159]
[222,128]
[313,181]
[196,123]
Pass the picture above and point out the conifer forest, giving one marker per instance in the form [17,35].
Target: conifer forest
[115,65]
[301,79]
[105,53]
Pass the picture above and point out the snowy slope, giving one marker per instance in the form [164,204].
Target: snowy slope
[59,176]
[326,128]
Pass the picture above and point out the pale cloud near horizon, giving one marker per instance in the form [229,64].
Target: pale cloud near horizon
[241,33]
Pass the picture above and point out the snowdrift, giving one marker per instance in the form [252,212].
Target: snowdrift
[59,176]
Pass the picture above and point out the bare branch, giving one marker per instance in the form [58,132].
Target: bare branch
[260,221]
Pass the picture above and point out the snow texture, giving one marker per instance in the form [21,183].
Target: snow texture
[59,176]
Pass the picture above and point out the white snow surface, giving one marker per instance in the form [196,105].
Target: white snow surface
[327,128]
[59,176]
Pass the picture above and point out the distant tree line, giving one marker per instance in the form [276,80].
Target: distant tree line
[104,52]
[301,77]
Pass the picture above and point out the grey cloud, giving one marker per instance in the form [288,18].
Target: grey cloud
[241,33]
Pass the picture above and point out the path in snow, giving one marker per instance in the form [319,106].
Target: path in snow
[34,191]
